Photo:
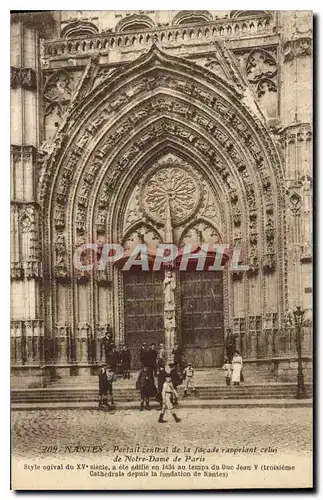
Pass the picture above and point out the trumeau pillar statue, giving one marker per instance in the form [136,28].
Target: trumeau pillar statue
[169,287]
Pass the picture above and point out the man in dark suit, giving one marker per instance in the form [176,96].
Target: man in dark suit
[125,357]
[107,344]
[153,359]
[144,356]
[113,359]
[178,359]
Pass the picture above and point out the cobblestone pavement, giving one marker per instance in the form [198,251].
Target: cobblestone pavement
[289,429]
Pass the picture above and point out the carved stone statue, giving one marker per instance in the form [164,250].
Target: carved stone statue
[169,288]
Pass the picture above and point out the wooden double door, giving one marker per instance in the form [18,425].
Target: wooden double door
[200,322]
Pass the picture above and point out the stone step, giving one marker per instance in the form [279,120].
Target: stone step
[133,392]
[201,403]
[124,400]
[270,391]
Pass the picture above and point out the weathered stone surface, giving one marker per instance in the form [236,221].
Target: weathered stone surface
[195,127]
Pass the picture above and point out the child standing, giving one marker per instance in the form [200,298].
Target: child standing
[109,392]
[167,393]
[228,371]
[189,379]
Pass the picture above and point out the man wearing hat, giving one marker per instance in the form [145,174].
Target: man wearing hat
[144,356]
[106,379]
[188,376]
[103,386]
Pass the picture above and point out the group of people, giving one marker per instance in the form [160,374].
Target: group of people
[168,376]
[156,378]
[233,369]
[118,360]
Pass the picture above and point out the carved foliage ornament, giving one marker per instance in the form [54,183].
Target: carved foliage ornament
[297,48]
[57,92]
[22,77]
[295,204]
[261,69]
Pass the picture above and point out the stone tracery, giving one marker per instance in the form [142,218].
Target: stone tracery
[110,117]
[160,130]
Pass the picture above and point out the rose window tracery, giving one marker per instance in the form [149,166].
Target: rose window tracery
[171,186]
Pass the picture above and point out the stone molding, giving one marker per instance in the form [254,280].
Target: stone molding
[23,77]
[251,26]
[300,47]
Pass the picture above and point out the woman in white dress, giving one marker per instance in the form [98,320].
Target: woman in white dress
[236,368]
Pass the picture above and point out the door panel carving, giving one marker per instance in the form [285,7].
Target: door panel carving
[202,316]
[144,310]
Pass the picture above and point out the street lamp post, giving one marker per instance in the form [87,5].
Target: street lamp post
[298,317]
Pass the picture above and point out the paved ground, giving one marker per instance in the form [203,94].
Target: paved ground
[289,429]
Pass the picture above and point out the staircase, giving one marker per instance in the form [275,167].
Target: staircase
[210,385]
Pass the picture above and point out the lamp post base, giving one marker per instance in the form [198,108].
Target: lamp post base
[301,392]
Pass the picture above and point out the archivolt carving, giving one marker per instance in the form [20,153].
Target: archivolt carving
[209,100]
[207,120]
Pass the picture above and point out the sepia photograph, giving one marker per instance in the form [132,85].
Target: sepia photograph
[161,315]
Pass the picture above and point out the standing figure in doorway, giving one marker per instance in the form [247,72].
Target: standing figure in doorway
[236,368]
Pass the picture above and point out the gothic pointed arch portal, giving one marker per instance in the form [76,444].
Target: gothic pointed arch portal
[161,118]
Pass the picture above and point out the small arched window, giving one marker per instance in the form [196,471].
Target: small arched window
[78,29]
[191,17]
[136,22]
[248,13]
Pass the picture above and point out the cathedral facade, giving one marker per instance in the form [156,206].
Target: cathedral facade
[182,127]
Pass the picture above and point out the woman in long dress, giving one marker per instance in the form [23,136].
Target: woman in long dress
[236,368]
